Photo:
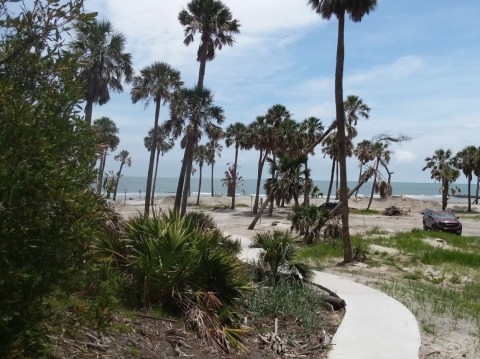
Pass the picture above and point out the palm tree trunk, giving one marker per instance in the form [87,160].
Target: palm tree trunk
[306,189]
[188,171]
[148,190]
[181,179]
[261,161]
[274,175]
[101,169]
[373,185]
[359,176]
[332,173]
[445,186]
[88,111]
[203,61]
[155,178]
[340,115]
[259,214]
[469,194]
[478,185]
[117,181]
[237,146]
[199,186]
[213,193]
[336,181]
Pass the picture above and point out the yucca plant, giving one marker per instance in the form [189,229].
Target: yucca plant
[278,257]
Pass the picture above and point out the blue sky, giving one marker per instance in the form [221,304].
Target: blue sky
[415,63]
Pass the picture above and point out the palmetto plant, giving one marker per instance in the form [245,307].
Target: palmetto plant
[181,264]
[278,257]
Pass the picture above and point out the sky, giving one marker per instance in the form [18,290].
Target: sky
[415,63]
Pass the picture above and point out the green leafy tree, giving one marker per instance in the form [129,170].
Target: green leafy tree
[442,166]
[356,9]
[214,21]
[48,215]
[125,160]
[158,82]
[104,64]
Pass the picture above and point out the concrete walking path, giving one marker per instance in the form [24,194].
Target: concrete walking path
[375,325]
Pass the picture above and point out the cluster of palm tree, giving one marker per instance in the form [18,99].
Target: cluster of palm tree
[106,65]
[445,168]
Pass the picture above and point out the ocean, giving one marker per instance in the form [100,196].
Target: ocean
[134,188]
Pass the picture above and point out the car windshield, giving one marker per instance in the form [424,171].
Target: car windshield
[444,215]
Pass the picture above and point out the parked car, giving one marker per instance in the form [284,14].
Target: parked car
[441,221]
[328,206]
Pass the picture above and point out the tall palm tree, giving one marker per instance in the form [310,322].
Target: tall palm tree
[258,137]
[200,155]
[467,162]
[235,135]
[214,148]
[125,159]
[163,145]
[107,139]
[356,9]
[311,129]
[192,113]
[215,22]
[443,169]
[104,64]
[158,82]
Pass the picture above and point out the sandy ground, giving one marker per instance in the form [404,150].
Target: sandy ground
[443,344]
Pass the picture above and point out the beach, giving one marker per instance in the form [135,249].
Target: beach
[443,343]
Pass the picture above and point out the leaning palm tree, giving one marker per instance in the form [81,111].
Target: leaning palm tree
[125,159]
[214,21]
[200,155]
[193,114]
[163,145]
[235,135]
[356,9]
[467,162]
[363,152]
[381,153]
[106,131]
[104,64]
[158,82]
[443,169]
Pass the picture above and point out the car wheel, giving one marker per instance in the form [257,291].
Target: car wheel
[425,227]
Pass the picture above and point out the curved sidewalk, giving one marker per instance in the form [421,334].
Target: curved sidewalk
[375,325]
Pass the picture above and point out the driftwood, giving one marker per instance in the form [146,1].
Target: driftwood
[394,211]
[336,302]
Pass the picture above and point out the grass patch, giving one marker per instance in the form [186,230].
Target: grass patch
[367,212]
[320,253]
[289,301]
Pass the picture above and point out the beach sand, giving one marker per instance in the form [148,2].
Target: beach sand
[443,342]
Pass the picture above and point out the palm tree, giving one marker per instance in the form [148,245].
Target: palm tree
[214,148]
[356,9]
[164,144]
[214,21]
[311,129]
[363,152]
[158,82]
[380,152]
[107,139]
[192,113]
[125,159]
[354,109]
[258,138]
[104,64]
[200,155]
[443,169]
[235,134]
[467,162]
